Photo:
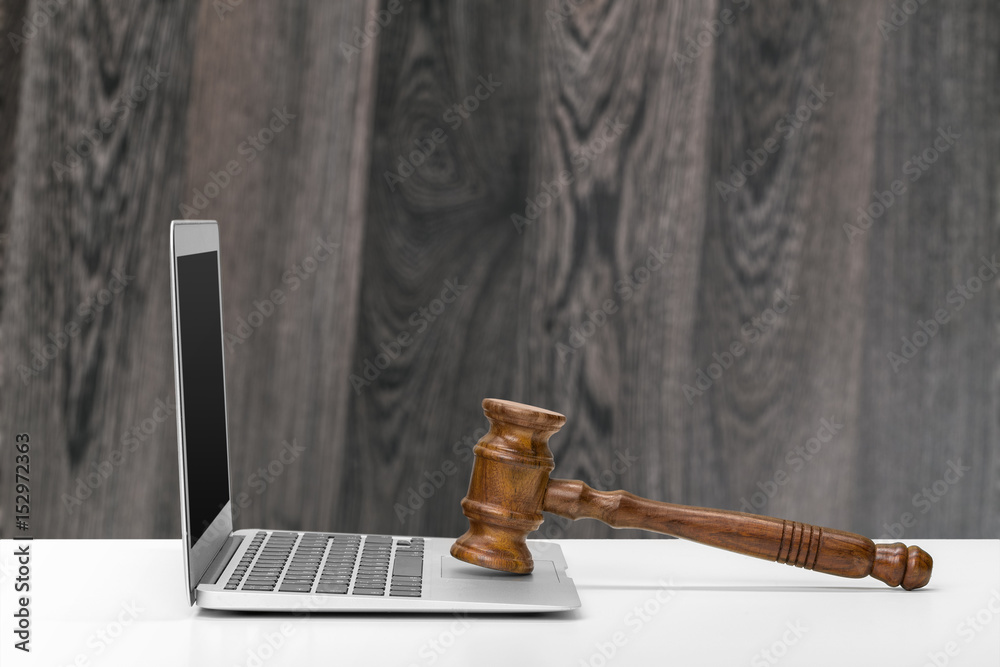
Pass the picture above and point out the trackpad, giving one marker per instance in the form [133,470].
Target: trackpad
[452,568]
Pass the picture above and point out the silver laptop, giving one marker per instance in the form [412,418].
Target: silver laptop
[277,570]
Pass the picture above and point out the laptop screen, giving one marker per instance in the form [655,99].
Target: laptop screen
[203,383]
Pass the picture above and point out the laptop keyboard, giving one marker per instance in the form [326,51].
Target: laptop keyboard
[329,564]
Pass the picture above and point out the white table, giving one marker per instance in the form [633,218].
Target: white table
[645,602]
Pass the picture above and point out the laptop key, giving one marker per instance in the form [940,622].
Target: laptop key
[295,588]
[408,566]
[339,589]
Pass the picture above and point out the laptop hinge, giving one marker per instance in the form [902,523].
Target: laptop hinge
[214,570]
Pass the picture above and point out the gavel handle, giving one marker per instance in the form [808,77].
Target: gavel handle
[813,548]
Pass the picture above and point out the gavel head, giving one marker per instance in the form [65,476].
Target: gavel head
[507,488]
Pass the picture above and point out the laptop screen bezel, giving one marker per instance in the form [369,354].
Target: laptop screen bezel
[191,237]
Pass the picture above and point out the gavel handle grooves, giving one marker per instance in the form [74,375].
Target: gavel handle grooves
[813,548]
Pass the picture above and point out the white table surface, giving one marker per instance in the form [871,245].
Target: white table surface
[645,602]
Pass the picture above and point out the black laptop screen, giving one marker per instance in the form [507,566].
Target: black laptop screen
[203,383]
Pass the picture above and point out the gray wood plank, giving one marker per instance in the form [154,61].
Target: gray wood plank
[11,25]
[106,355]
[940,71]
[607,66]
[12,15]
[790,158]
[446,223]
[113,374]
[301,181]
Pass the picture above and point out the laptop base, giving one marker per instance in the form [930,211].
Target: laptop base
[448,586]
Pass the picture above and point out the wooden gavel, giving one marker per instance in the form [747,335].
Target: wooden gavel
[510,487]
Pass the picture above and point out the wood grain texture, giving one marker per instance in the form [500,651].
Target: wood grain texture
[940,71]
[544,311]
[781,231]
[825,550]
[286,385]
[446,223]
[68,232]
[617,382]
[11,16]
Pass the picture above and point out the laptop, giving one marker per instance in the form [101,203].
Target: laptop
[281,570]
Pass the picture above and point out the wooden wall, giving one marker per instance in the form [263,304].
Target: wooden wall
[563,239]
